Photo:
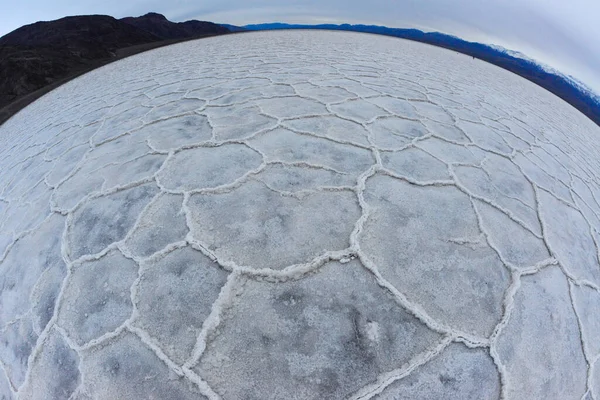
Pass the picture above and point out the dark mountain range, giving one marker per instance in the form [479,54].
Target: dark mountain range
[88,36]
[565,87]
[161,27]
[38,54]
[36,58]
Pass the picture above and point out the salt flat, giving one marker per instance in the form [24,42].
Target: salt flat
[299,215]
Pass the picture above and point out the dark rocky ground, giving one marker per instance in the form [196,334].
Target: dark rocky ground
[36,58]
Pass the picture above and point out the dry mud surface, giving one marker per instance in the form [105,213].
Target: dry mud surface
[299,215]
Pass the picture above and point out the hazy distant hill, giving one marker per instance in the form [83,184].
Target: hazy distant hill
[234,28]
[45,54]
[565,87]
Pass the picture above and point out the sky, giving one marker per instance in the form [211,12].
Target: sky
[562,34]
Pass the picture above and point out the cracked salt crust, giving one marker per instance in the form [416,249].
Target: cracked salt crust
[299,215]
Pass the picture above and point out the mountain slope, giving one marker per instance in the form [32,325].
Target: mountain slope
[43,54]
[87,36]
[160,26]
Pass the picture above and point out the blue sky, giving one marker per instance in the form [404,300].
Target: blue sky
[562,34]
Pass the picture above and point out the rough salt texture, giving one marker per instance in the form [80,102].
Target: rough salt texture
[299,215]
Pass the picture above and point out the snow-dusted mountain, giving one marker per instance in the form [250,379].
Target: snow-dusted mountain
[570,78]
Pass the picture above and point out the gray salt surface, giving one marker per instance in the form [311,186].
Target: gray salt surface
[299,215]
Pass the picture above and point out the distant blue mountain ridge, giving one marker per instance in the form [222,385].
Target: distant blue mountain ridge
[566,87]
